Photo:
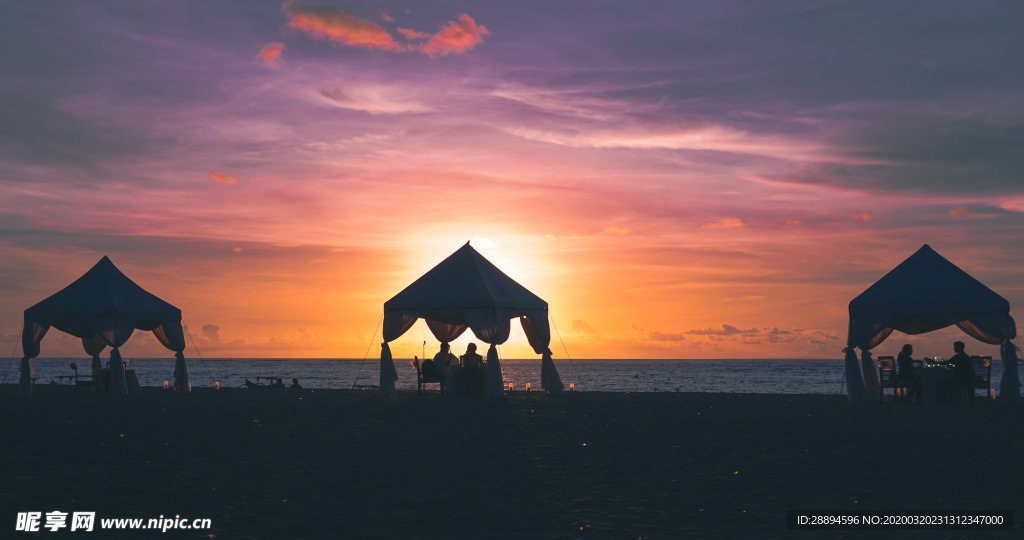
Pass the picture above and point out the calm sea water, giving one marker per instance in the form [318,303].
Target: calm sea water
[730,376]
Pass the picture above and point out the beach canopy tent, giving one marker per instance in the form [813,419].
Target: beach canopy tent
[466,291]
[926,292]
[103,308]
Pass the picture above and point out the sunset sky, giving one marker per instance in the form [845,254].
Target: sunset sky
[677,179]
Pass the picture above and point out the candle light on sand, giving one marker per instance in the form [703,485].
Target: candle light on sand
[991,393]
[216,385]
[511,386]
[190,387]
[166,385]
[572,387]
[527,387]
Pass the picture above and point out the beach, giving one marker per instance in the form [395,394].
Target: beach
[333,463]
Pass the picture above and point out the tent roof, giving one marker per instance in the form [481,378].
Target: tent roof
[464,280]
[927,284]
[103,291]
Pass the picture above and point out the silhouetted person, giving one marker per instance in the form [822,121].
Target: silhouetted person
[296,385]
[472,371]
[908,374]
[471,359]
[444,359]
[963,370]
[278,383]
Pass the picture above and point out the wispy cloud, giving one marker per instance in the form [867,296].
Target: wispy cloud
[374,99]
[222,178]
[725,223]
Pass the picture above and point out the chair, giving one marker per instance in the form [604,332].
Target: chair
[887,379]
[425,375]
[471,375]
[982,375]
[83,380]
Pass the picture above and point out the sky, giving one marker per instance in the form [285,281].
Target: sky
[677,179]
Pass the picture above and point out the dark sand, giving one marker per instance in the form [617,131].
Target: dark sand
[325,464]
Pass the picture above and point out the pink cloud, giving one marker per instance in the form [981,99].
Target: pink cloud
[222,178]
[330,23]
[863,217]
[325,22]
[270,53]
[456,37]
[413,35]
[725,223]
[962,213]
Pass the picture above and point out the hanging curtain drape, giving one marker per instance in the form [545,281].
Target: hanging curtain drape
[854,378]
[31,335]
[867,364]
[395,324]
[1009,387]
[94,347]
[171,335]
[117,383]
[388,373]
[181,383]
[444,332]
[538,333]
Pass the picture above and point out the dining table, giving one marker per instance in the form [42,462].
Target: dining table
[935,378]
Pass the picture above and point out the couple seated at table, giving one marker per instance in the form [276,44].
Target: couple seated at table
[464,374]
[961,366]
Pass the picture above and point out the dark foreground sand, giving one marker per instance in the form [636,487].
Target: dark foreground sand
[339,464]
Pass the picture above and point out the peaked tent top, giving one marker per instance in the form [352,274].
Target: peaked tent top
[465,280]
[926,284]
[103,291]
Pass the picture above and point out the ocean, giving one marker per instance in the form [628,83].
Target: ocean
[728,376]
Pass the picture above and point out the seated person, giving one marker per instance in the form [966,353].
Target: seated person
[908,374]
[963,366]
[296,385]
[471,359]
[472,371]
[444,359]
[963,369]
